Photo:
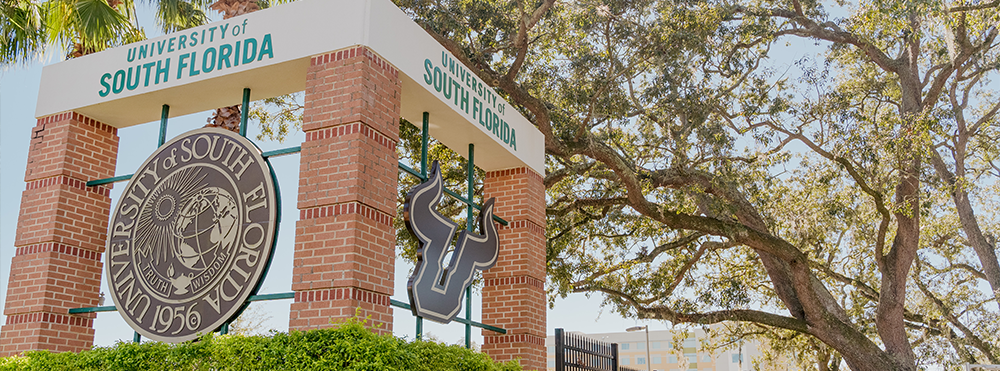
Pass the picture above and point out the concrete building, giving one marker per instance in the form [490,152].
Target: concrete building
[673,350]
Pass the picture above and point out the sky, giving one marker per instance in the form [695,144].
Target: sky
[18,97]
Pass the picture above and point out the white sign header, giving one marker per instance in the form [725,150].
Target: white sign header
[269,51]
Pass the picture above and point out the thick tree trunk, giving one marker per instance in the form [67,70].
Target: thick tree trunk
[227,118]
[898,261]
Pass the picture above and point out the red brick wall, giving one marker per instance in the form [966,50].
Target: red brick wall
[514,289]
[61,231]
[345,241]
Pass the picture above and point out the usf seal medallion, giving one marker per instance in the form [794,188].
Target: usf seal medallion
[192,235]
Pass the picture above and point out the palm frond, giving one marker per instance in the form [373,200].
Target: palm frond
[100,26]
[176,15]
[22,31]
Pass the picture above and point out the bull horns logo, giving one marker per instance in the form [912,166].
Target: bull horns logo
[435,289]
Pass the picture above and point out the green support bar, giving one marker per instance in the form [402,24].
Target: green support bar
[424,140]
[224,329]
[399,304]
[136,337]
[266,297]
[420,328]
[244,112]
[291,150]
[116,179]
[424,143]
[410,171]
[469,226]
[164,113]
[481,325]
[109,308]
[282,152]
[470,172]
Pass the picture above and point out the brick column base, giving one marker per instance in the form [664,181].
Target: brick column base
[61,232]
[514,289]
[339,250]
[345,243]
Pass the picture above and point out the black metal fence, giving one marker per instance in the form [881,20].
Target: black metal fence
[580,353]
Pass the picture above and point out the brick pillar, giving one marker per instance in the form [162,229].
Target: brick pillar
[344,240]
[514,290]
[61,232]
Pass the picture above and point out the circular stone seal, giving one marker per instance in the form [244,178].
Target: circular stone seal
[192,235]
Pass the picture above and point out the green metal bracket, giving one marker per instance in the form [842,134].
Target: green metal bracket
[410,171]
[120,178]
[282,152]
[481,325]
[244,112]
[277,296]
[109,308]
[470,172]
[424,140]
[164,114]
[399,304]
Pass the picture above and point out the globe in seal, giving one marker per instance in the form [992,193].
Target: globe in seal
[205,224]
[192,235]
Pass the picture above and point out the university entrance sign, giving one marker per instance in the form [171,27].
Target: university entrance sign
[269,51]
[192,235]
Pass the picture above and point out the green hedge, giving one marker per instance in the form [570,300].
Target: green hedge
[349,347]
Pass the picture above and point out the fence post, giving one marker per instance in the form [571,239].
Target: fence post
[614,355]
[560,352]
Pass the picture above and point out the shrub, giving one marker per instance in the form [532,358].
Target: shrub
[349,347]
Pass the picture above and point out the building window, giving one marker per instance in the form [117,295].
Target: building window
[640,361]
[656,345]
[657,360]
[692,358]
[690,342]
[552,363]
[624,360]
[737,358]
[624,346]
[672,359]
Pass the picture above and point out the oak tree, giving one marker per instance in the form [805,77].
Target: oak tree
[694,176]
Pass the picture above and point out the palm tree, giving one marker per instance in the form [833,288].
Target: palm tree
[29,28]
[229,117]
[22,32]
[176,15]
[89,26]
